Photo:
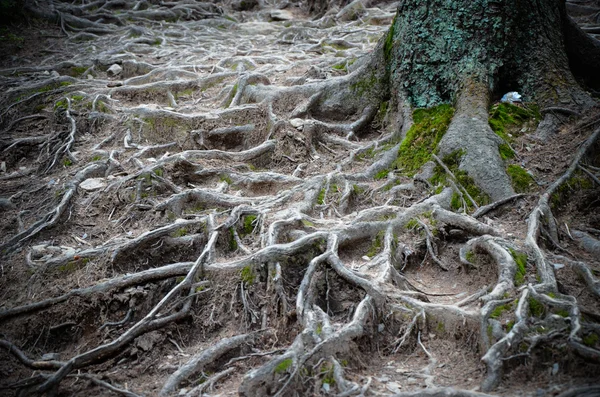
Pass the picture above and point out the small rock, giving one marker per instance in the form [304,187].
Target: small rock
[366,258]
[383,379]
[114,84]
[297,123]
[92,184]
[3,166]
[411,381]
[281,15]
[182,392]
[394,387]
[54,73]
[90,77]
[51,357]
[147,341]
[326,387]
[244,5]
[6,205]
[114,69]
[380,327]
[554,369]
[558,266]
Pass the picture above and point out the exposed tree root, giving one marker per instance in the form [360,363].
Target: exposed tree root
[263,213]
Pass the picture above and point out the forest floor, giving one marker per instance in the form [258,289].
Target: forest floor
[165,155]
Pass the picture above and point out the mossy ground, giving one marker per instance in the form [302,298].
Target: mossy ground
[506,120]
[521,180]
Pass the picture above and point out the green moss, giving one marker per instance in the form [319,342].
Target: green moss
[376,245]
[536,308]
[388,45]
[506,118]
[77,71]
[521,180]
[505,151]
[510,325]
[307,223]
[520,259]
[319,329]
[247,275]
[68,267]
[157,42]
[321,196]
[470,256]
[591,339]
[62,104]
[283,366]
[381,175]
[67,162]
[576,182]
[340,66]
[232,243]
[440,327]
[248,224]
[225,178]
[422,139]
[562,313]
[97,157]
[490,332]
[180,232]
[159,172]
[452,162]
[412,224]
[357,190]
[497,312]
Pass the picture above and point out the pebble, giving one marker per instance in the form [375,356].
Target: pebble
[93,184]
[394,387]
[114,69]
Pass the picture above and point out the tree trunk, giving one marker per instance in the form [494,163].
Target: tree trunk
[433,47]
[469,52]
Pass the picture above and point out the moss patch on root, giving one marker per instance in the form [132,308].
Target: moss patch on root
[452,161]
[520,259]
[521,180]
[423,138]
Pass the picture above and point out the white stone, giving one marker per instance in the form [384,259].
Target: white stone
[297,123]
[115,69]
[281,15]
[93,184]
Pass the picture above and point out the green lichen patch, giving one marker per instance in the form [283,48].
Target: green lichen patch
[521,180]
[422,139]
[506,120]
